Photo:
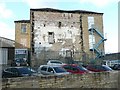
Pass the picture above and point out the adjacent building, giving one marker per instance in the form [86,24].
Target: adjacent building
[6,51]
[54,34]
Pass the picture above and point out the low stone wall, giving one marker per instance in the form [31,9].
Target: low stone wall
[91,80]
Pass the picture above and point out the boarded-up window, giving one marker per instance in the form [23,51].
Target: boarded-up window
[51,37]
[90,22]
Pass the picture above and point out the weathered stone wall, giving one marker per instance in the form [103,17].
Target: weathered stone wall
[19,35]
[92,80]
[67,35]
[48,22]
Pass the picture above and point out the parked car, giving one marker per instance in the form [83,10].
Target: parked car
[98,68]
[55,62]
[75,69]
[111,63]
[20,62]
[116,67]
[52,70]
[18,72]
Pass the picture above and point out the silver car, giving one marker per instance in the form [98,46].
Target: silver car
[52,70]
[55,62]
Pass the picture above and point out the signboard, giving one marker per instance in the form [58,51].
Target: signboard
[20,51]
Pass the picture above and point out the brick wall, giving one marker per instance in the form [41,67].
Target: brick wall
[92,80]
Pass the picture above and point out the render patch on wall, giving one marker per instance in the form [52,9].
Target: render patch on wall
[23,41]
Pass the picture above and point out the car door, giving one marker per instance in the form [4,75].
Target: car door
[50,71]
[99,68]
[92,68]
[75,70]
[95,68]
[43,70]
[68,68]
[14,72]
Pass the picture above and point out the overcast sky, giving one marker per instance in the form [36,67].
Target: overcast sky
[11,10]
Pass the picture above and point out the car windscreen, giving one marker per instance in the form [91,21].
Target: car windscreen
[20,61]
[81,68]
[106,68]
[59,69]
[26,70]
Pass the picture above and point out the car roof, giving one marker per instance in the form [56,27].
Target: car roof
[50,65]
[55,60]
[70,65]
[17,67]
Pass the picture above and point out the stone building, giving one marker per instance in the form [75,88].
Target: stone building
[22,40]
[22,34]
[55,34]
[60,30]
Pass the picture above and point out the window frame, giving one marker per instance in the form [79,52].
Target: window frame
[44,68]
[23,28]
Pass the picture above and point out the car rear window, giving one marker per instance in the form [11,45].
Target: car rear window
[44,68]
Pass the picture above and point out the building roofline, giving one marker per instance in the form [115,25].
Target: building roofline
[64,11]
[22,21]
[113,53]
[7,39]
